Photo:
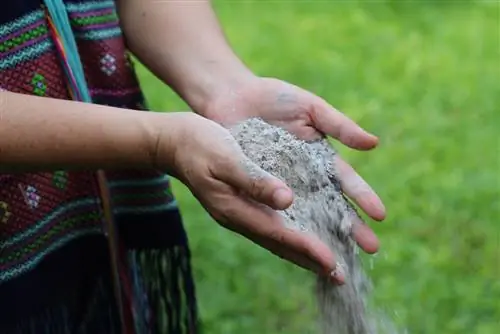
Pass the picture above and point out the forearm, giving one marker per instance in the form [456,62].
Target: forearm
[42,134]
[183,44]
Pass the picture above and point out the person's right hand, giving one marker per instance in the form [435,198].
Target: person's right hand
[237,193]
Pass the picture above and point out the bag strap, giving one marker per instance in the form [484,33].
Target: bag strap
[65,42]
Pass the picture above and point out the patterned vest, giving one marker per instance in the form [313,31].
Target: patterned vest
[55,220]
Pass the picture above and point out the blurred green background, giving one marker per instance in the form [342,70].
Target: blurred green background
[424,76]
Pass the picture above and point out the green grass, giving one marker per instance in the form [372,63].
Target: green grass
[422,75]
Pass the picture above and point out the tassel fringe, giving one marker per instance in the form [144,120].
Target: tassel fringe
[163,290]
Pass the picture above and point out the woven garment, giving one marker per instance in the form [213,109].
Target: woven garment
[55,268]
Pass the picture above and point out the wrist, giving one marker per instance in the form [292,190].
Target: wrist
[124,137]
[166,132]
[215,82]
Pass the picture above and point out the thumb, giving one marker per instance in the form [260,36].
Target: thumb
[256,183]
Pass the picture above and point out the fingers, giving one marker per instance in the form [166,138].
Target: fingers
[364,236]
[242,174]
[304,250]
[330,121]
[265,227]
[359,191]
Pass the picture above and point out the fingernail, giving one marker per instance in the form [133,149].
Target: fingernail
[374,137]
[281,198]
[338,274]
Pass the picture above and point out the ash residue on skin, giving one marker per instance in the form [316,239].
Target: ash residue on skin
[319,207]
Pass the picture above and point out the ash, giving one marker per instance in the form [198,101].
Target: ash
[319,207]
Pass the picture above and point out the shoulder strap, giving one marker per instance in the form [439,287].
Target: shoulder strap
[65,42]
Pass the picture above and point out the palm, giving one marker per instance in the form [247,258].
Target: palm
[275,101]
[308,117]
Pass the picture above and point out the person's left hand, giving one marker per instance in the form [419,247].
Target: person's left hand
[308,117]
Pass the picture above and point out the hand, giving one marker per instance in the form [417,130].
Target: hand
[309,117]
[236,192]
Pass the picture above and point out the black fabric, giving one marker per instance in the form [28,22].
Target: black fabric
[70,282]
[159,230]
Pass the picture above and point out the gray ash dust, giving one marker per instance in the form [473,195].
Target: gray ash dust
[319,207]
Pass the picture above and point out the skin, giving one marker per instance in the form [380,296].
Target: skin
[43,134]
[206,73]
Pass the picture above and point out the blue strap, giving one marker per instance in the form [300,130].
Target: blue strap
[60,19]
